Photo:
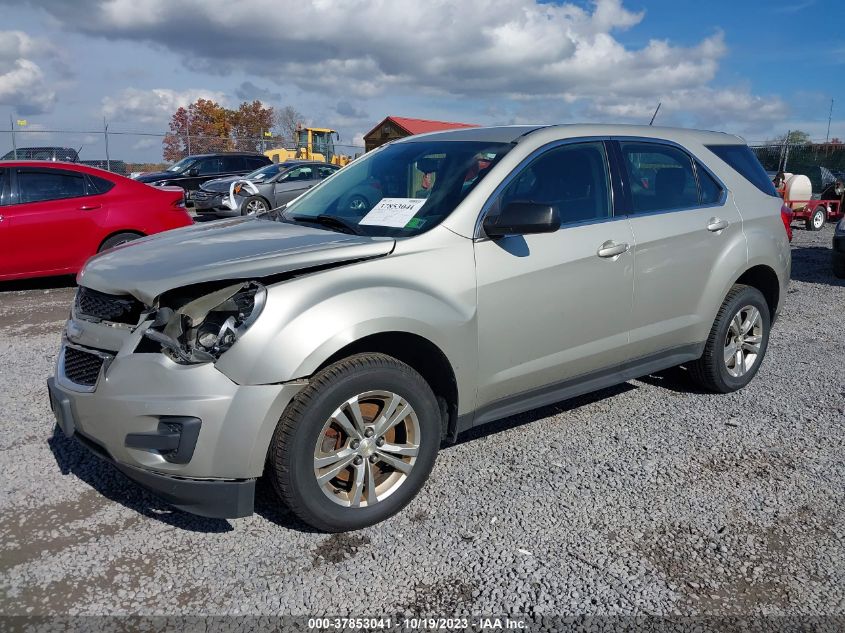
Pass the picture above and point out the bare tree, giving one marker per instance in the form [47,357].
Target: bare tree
[287,120]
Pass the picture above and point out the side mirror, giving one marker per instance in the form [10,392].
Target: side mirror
[193,171]
[523,218]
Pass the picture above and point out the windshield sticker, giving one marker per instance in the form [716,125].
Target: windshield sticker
[395,212]
[415,223]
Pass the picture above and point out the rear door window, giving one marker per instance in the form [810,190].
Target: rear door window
[743,161]
[209,166]
[38,185]
[660,177]
[233,163]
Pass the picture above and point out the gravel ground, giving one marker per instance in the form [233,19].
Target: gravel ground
[646,498]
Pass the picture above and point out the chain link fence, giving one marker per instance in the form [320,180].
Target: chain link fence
[822,163]
[127,152]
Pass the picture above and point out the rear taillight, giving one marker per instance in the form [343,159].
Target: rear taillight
[786,216]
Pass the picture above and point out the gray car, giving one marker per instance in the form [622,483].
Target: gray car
[490,271]
[273,186]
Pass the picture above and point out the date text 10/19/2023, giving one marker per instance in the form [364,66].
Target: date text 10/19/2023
[416,624]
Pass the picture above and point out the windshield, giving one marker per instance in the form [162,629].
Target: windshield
[181,165]
[402,189]
[263,173]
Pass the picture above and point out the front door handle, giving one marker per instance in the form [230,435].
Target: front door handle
[89,207]
[714,225]
[612,249]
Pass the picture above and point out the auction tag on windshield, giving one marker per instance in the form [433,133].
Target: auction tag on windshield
[395,212]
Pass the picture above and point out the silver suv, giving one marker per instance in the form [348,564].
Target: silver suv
[436,284]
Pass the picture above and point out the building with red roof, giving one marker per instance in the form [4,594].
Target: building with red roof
[394,127]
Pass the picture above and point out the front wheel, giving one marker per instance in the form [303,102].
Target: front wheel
[357,444]
[254,205]
[816,221]
[737,342]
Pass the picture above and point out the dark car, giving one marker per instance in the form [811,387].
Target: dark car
[276,184]
[66,154]
[192,171]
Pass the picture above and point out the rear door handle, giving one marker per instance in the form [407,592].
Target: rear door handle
[612,249]
[715,225]
[89,207]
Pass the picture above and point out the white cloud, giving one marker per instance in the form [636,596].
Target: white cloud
[22,82]
[520,50]
[154,106]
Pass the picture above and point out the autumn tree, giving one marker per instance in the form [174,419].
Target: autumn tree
[250,122]
[204,126]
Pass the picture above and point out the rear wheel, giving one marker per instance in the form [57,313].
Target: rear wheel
[737,342]
[816,221]
[357,444]
[117,240]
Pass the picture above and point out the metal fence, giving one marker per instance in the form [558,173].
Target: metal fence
[822,163]
[126,151]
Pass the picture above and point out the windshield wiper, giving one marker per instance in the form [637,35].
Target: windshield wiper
[329,221]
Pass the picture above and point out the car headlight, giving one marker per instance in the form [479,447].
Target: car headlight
[198,329]
[159,183]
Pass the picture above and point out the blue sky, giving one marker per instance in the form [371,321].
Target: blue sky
[752,68]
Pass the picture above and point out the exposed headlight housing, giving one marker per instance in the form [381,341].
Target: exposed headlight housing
[199,329]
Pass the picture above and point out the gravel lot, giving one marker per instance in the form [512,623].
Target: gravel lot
[647,498]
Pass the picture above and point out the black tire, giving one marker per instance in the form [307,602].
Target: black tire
[711,371]
[292,450]
[260,205]
[117,240]
[816,220]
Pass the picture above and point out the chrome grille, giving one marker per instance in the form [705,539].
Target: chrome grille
[104,307]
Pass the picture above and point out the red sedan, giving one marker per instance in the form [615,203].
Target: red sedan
[54,216]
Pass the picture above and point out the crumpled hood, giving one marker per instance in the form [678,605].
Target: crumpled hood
[221,185]
[234,249]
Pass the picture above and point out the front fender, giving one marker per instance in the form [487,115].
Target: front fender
[422,289]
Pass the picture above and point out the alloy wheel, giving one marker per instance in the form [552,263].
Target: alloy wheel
[255,206]
[367,448]
[743,341]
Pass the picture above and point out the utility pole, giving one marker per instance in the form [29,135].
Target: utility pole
[829,117]
[106,136]
[786,149]
[14,145]
[188,126]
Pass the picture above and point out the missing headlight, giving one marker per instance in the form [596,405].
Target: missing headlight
[198,329]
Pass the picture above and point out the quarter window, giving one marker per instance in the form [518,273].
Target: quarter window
[709,190]
[41,185]
[660,176]
[572,178]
